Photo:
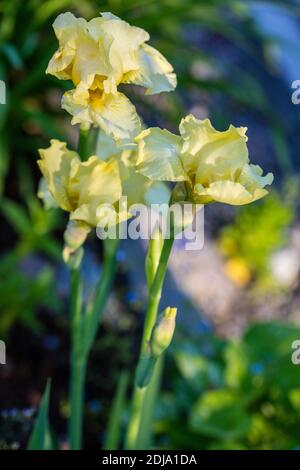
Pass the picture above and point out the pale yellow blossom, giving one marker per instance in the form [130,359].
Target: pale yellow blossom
[215,165]
[81,188]
[97,56]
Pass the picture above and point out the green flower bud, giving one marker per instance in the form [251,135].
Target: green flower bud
[163,331]
[153,256]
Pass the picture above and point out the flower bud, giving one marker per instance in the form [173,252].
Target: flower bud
[74,236]
[163,331]
[153,256]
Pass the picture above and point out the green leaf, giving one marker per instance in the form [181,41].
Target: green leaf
[16,215]
[41,438]
[114,426]
[219,414]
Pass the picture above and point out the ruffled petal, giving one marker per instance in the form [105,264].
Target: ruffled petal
[154,73]
[44,194]
[158,155]
[252,178]
[227,192]
[117,116]
[55,164]
[209,154]
[96,183]
[126,40]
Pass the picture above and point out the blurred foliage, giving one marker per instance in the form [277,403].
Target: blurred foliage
[240,394]
[256,233]
[22,293]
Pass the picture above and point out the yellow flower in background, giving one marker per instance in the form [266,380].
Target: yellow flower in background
[87,190]
[97,56]
[238,271]
[215,165]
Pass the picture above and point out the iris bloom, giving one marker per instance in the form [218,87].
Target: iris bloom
[214,165]
[99,55]
[81,188]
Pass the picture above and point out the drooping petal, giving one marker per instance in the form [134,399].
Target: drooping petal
[252,178]
[154,73]
[44,194]
[158,155]
[60,64]
[228,192]
[96,183]
[76,103]
[114,113]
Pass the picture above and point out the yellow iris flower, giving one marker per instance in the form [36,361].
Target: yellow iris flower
[97,56]
[82,189]
[215,165]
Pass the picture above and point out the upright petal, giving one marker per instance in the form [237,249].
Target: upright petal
[56,164]
[126,40]
[158,155]
[67,28]
[210,154]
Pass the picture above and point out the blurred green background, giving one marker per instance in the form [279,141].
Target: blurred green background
[228,382]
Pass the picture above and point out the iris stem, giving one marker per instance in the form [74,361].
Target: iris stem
[84,327]
[78,374]
[87,142]
[136,416]
[77,365]
[94,315]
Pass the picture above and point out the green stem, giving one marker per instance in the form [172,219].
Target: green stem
[83,333]
[77,367]
[145,431]
[87,142]
[115,418]
[83,144]
[93,316]
[78,372]
[132,438]
[155,292]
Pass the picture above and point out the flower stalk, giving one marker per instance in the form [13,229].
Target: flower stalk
[76,361]
[84,327]
[132,438]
